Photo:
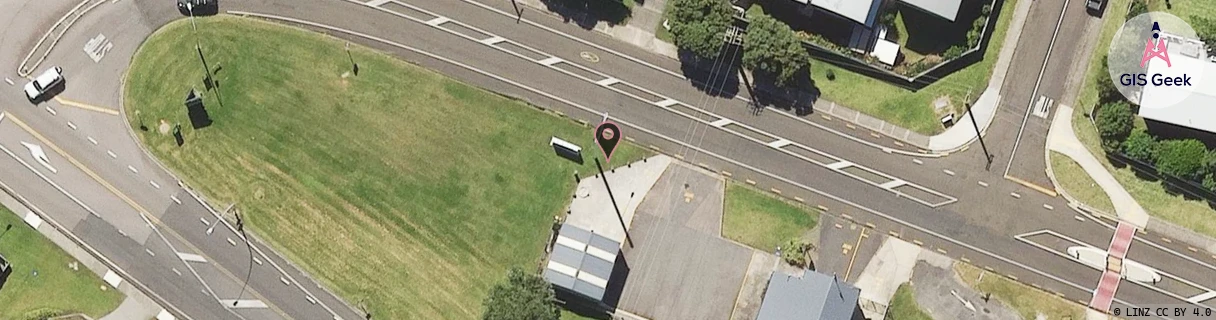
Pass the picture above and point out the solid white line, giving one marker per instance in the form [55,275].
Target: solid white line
[1199,298]
[893,184]
[190,257]
[377,3]
[244,304]
[550,61]
[839,165]
[688,145]
[608,81]
[1035,93]
[48,180]
[777,144]
[493,40]
[671,102]
[438,21]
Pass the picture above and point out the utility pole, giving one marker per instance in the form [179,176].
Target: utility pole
[613,199]
[519,14]
[976,125]
[240,226]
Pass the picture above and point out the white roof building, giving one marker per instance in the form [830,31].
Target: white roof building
[1191,106]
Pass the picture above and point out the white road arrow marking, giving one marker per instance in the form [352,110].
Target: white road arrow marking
[38,154]
[966,303]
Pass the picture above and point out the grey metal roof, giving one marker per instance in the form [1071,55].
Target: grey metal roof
[863,11]
[585,266]
[945,8]
[814,296]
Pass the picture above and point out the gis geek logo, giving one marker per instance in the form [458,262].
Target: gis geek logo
[1156,47]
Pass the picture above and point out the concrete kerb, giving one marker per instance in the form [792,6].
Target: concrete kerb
[181,183]
[20,68]
[59,229]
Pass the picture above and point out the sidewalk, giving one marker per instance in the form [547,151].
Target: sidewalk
[1062,139]
[639,31]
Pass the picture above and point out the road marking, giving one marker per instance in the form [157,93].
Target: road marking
[717,123]
[775,190]
[493,40]
[1035,93]
[799,199]
[204,221]
[839,165]
[1201,297]
[860,235]
[608,81]
[983,184]
[111,154]
[893,184]
[9,81]
[917,161]
[39,155]
[86,106]
[175,199]
[91,140]
[377,3]
[438,21]
[233,243]
[190,257]
[1048,207]
[149,251]
[258,261]
[671,102]
[132,169]
[1015,195]
[1079,218]
[244,304]
[284,281]
[52,111]
[310,299]
[154,184]
[71,125]
[779,143]
[550,61]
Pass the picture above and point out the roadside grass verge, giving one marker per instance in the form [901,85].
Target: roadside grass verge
[1152,195]
[1079,184]
[905,108]
[56,288]
[1027,301]
[762,220]
[904,307]
[398,187]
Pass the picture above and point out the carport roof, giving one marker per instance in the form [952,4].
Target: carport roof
[582,261]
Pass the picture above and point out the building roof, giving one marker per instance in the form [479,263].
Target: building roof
[813,296]
[945,8]
[1192,106]
[582,261]
[863,11]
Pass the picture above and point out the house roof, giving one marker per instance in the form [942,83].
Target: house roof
[945,8]
[813,296]
[582,261]
[863,11]
[1187,106]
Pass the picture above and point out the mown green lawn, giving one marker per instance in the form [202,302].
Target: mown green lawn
[1027,301]
[399,187]
[1152,195]
[761,220]
[56,288]
[904,307]
[902,107]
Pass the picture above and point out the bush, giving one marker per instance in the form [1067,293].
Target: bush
[524,296]
[954,52]
[1138,7]
[1181,158]
[42,314]
[1205,28]
[1209,182]
[1140,146]
[797,253]
[1114,124]
[831,75]
[973,38]
[987,9]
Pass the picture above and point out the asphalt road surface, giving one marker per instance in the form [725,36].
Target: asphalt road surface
[99,164]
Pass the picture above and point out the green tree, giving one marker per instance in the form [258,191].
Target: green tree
[1138,7]
[1205,28]
[771,46]
[1181,158]
[1114,123]
[1140,146]
[699,26]
[523,296]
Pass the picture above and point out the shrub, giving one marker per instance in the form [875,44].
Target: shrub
[987,9]
[797,253]
[1209,182]
[1138,7]
[954,52]
[973,38]
[831,75]
[1181,158]
[1140,146]
[523,296]
[1114,124]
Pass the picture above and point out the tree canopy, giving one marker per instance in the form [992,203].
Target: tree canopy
[699,26]
[1181,158]
[523,296]
[771,46]
[1115,123]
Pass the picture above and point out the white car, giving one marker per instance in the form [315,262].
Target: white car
[43,82]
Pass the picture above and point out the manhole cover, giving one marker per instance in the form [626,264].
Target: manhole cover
[589,56]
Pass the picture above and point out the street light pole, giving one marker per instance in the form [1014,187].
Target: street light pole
[987,156]
[240,226]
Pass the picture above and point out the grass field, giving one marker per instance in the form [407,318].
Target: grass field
[912,110]
[761,220]
[398,187]
[56,287]
[1151,195]
[1027,301]
[1078,183]
[903,306]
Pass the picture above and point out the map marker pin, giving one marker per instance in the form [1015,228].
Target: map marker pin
[607,135]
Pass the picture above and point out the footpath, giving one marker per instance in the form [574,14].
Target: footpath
[135,305]
[648,16]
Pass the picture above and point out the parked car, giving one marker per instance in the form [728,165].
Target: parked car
[4,266]
[43,82]
[1094,6]
[188,4]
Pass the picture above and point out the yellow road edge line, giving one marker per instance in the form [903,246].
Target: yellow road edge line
[86,106]
[1028,184]
[860,235]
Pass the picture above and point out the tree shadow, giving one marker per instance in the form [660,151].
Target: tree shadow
[4,275]
[798,96]
[587,13]
[717,77]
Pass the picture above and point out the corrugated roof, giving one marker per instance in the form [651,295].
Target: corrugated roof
[862,11]
[582,261]
[814,296]
[945,8]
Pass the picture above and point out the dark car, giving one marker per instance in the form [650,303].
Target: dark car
[1094,6]
[188,4]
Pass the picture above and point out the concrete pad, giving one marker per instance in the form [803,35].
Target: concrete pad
[689,196]
[592,209]
[889,268]
[751,293]
[943,295]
